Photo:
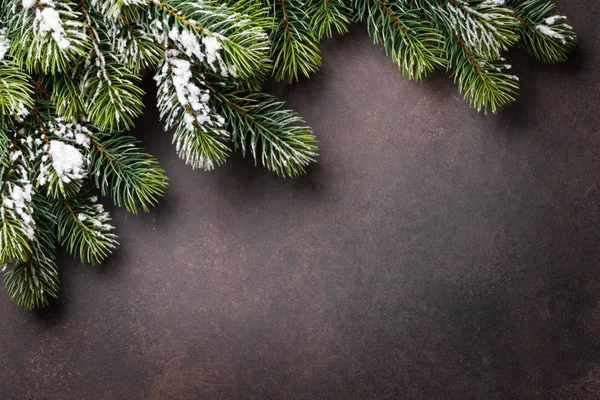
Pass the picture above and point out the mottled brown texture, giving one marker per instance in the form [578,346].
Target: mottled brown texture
[432,253]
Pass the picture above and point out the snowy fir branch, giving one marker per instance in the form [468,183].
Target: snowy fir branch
[70,87]
[544,33]
[465,37]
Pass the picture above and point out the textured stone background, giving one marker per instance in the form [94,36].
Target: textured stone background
[432,253]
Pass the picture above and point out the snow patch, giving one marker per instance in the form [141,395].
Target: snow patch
[50,21]
[493,3]
[4,43]
[67,161]
[554,19]
[546,30]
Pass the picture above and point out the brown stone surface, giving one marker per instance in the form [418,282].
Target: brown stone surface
[432,253]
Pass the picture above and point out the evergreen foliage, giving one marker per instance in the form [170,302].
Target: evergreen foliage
[465,37]
[70,76]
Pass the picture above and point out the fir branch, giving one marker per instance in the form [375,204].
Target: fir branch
[32,281]
[15,93]
[46,37]
[329,15]
[182,103]
[84,228]
[484,83]
[275,135]
[123,171]
[17,226]
[112,97]
[110,92]
[5,148]
[65,95]
[255,11]
[545,34]
[487,28]
[14,238]
[294,49]
[115,9]
[245,44]
[131,46]
[62,166]
[413,42]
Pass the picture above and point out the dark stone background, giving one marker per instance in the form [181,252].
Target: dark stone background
[432,253]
